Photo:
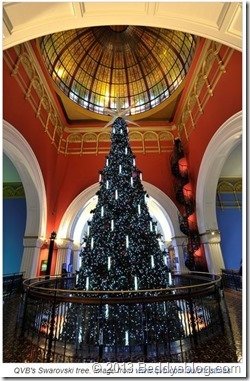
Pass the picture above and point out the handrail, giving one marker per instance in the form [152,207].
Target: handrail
[121,298]
[13,274]
[112,296]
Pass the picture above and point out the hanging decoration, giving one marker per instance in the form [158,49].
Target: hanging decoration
[187,217]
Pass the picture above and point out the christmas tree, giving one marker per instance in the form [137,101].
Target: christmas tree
[121,251]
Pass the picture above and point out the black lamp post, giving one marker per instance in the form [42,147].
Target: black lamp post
[51,248]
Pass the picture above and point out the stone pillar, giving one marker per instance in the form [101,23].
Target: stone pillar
[64,249]
[211,241]
[31,253]
[177,243]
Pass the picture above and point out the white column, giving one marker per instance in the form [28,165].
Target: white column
[211,241]
[63,254]
[178,242]
[31,253]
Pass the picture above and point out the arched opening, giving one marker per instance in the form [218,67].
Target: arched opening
[229,209]
[161,208]
[14,217]
[224,141]
[20,153]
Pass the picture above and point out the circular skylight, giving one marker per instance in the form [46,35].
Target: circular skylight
[140,66]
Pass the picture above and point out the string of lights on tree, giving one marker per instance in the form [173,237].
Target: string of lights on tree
[121,251]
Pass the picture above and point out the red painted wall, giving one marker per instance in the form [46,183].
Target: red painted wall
[18,112]
[75,173]
[226,101]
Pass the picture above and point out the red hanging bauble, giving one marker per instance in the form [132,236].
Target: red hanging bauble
[188,191]
[183,165]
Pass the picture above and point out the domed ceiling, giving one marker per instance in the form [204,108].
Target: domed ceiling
[140,66]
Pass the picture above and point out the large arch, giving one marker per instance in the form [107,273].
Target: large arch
[20,153]
[73,212]
[155,209]
[218,150]
[70,229]
[219,21]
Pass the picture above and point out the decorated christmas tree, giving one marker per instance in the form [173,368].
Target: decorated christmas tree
[121,251]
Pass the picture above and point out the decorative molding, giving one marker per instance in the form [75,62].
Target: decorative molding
[229,185]
[13,190]
[229,193]
[151,8]
[99,142]
[30,241]
[78,8]
[229,204]
[234,26]
[222,15]
[7,23]
[24,71]
[220,21]
[203,87]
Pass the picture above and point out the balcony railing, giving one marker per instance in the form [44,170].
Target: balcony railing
[12,284]
[231,279]
[59,323]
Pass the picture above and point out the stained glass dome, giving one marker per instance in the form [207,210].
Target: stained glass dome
[142,66]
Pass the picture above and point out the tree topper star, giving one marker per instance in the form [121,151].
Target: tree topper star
[118,112]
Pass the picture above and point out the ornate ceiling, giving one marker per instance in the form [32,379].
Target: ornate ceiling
[140,66]
[218,21]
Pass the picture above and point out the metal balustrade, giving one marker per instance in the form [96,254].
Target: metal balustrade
[136,325]
[12,284]
[231,279]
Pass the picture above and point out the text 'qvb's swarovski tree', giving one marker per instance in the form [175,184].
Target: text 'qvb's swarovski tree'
[121,251]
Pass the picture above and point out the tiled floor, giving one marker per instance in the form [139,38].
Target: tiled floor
[224,348]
